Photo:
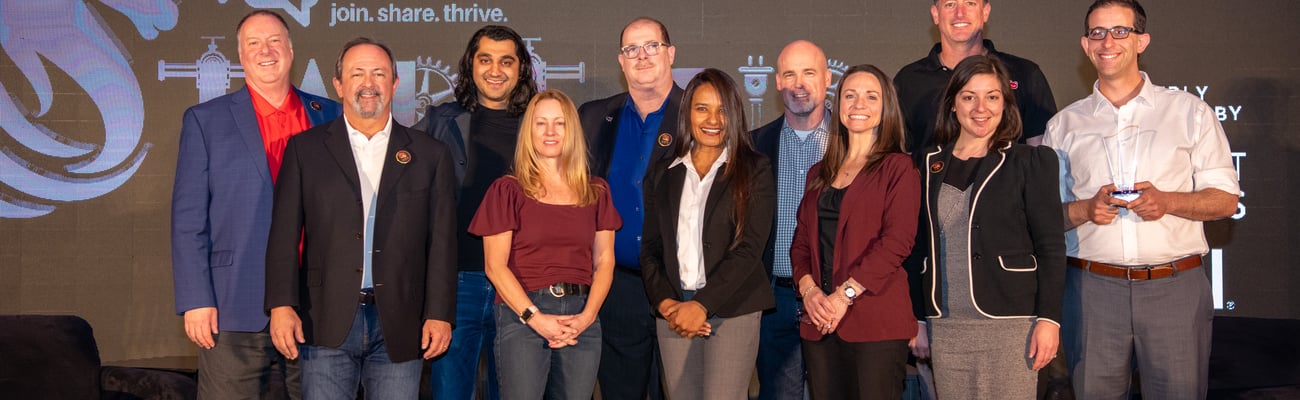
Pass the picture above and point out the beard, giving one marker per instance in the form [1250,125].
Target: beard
[801,107]
[361,110]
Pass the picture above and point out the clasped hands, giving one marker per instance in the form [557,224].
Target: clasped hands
[688,318]
[560,330]
[825,312]
[1150,206]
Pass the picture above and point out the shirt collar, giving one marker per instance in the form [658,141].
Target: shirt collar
[1143,98]
[933,59]
[629,106]
[264,107]
[358,138]
[684,160]
[821,127]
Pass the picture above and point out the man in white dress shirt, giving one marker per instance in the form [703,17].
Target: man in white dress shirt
[1142,167]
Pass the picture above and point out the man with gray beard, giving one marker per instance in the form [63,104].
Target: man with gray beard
[793,143]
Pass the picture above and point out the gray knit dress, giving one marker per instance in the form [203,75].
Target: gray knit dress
[974,356]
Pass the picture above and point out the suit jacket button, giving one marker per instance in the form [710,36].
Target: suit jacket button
[360,235]
[377,251]
[977,256]
[975,225]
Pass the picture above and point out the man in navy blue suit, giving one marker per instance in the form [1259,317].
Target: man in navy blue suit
[230,152]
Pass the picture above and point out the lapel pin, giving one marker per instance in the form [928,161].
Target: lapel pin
[403,156]
[936,166]
[315,105]
[665,139]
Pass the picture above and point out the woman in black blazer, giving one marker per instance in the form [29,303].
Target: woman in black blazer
[708,213]
[995,272]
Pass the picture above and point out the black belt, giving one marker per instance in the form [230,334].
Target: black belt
[565,289]
[783,281]
[367,296]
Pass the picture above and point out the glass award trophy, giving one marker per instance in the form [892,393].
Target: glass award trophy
[1122,152]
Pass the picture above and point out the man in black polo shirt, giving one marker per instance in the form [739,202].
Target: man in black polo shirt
[961,31]
[481,128]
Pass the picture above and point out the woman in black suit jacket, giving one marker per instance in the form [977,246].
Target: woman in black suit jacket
[709,211]
[995,273]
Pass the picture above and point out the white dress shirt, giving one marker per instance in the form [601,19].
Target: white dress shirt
[368,153]
[690,220]
[1180,148]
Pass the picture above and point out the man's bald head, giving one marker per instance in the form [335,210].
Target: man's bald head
[802,78]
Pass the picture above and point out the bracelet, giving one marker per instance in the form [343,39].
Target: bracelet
[804,293]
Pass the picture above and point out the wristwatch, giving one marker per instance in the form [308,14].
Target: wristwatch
[850,292]
[527,314]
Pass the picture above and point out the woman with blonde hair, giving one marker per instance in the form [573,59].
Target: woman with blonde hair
[548,245]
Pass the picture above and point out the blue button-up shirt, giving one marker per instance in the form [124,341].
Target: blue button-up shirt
[632,148]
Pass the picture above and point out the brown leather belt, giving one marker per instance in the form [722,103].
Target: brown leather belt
[1143,273]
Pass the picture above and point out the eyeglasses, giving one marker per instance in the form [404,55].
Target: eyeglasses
[1117,33]
[650,48]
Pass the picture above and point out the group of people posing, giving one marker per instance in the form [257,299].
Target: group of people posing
[651,245]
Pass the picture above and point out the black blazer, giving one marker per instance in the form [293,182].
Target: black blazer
[600,128]
[1017,233]
[736,284]
[767,140]
[318,196]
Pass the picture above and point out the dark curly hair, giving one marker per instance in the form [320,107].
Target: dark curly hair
[467,91]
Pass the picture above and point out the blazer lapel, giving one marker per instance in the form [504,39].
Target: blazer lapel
[397,141]
[720,184]
[992,163]
[241,108]
[670,190]
[315,110]
[338,145]
[935,164]
[668,126]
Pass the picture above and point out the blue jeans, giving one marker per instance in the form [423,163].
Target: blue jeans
[780,361]
[454,375]
[529,369]
[333,373]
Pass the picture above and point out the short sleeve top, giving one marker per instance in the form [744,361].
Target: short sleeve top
[552,243]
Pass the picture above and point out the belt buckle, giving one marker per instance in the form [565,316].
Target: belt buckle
[557,290]
[1128,273]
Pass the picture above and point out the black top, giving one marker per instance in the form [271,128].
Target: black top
[920,89]
[828,218]
[491,153]
[961,173]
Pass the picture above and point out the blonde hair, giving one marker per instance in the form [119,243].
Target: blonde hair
[573,152]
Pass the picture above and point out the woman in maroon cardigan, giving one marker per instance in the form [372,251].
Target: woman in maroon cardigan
[856,224]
